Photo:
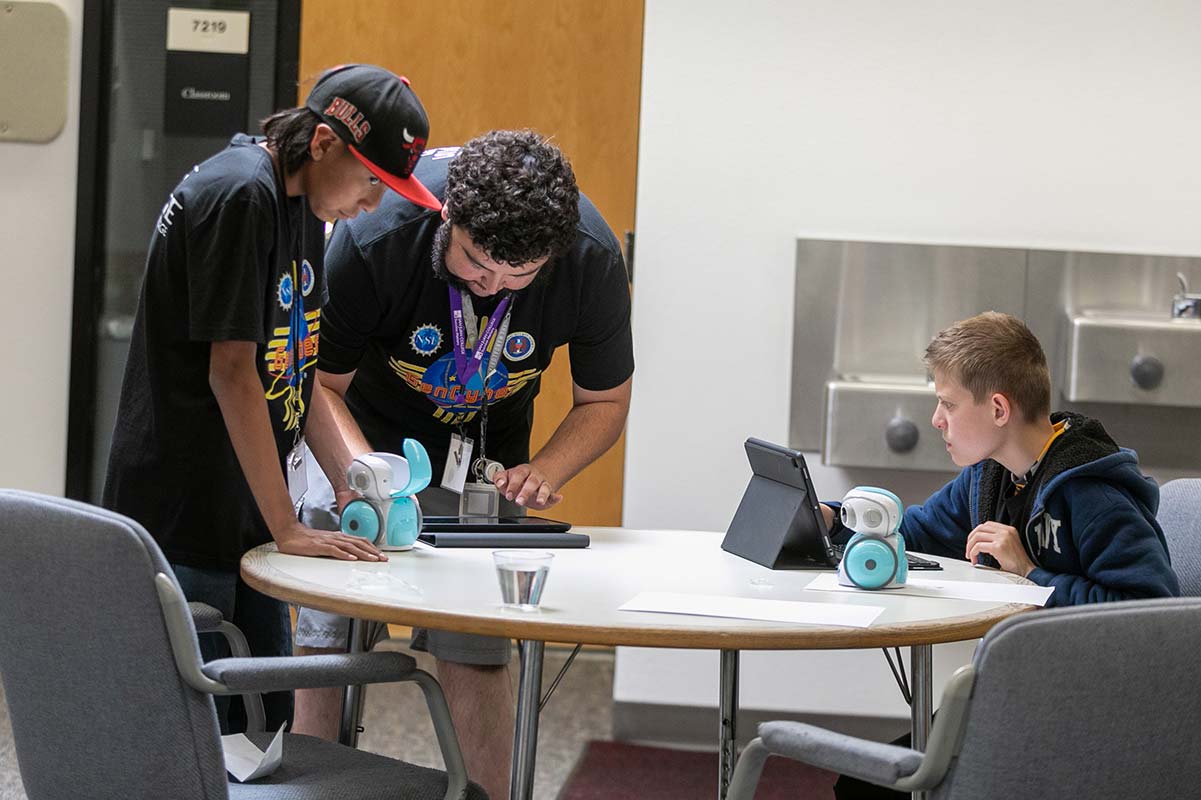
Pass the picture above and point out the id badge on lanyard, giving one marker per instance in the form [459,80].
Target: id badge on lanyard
[479,497]
[297,472]
[458,463]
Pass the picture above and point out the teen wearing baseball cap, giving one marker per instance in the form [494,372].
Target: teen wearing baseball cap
[219,383]
[381,121]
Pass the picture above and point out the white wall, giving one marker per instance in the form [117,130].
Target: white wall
[37,228]
[1064,125]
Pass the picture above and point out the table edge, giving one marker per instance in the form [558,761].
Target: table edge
[256,570]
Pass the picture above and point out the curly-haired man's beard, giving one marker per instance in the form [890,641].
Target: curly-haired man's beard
[438,256]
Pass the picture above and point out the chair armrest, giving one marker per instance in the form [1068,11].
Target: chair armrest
[309,672]
[882,764]
[205,617]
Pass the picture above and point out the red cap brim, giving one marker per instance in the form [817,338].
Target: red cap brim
[409,187]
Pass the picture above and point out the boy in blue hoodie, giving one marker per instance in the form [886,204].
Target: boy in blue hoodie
[1046,496]
[1049,497]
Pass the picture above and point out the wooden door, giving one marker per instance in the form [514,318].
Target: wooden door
[570,69]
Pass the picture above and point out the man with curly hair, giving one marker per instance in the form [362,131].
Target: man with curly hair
[441,324]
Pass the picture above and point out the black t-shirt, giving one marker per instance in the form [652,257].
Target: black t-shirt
[389,319]
[231,259]
[1015,505]
[1015,502]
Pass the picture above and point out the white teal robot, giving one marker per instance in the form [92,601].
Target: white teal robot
[875,556]
[387,513]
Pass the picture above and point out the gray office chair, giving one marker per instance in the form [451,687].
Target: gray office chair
[1089,701]
[207,619]
[107,694]
[1180,517]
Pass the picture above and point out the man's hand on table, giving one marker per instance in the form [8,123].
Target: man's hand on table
[299,540]
[526,485]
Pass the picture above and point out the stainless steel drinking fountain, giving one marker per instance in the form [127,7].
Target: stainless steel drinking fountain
[1121,332]
[1138,342]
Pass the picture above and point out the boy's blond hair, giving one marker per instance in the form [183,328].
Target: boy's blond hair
[994,352]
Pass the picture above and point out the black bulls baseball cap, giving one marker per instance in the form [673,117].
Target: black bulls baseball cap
[382,122]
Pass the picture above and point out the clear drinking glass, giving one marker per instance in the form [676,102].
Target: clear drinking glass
[522,576]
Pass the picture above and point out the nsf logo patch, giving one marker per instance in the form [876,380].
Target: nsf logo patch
[285,292]
[519,346]
[426,340]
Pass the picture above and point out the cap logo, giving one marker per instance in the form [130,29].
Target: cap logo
[345,112]
[413,145]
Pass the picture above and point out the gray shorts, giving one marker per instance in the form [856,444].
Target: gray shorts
[320,629]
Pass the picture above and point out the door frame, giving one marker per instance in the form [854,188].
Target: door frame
[91,213]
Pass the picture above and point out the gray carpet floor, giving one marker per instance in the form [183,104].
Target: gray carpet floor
[396,723]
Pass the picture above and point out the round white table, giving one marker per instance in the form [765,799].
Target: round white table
[457,589]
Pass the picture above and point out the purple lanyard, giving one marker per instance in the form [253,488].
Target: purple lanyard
[468,367]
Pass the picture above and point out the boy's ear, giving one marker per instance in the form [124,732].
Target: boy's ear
[322,142]
[1002,409]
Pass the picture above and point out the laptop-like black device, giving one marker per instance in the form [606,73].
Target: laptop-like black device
[499,532]
[513,524]
[779,522]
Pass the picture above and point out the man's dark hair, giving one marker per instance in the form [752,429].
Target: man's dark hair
[289,133]
[515,195]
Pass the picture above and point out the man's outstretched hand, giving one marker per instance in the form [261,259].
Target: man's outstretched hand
[526,486]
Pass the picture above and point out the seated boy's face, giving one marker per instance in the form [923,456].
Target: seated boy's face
[968,428]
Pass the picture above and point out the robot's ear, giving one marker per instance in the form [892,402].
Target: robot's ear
[420,470]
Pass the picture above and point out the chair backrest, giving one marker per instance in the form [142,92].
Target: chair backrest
[97,706]
[1089,701]
[1180,517]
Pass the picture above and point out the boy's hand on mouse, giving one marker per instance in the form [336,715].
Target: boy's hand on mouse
[1002,543]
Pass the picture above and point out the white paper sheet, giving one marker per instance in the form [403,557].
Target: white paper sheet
[712,605]
[246,762]
[950,590]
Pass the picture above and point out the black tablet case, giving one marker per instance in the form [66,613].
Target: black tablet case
[777,524]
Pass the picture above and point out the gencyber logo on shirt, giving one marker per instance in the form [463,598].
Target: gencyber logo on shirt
[292,351]
[453,402]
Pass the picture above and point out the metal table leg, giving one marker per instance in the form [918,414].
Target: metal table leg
[525,737]
[728,712]
[352,698]
[921,710]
